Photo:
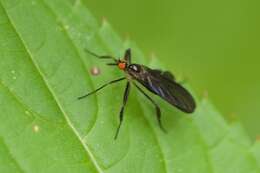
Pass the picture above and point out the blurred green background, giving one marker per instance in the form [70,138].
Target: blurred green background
[214,44]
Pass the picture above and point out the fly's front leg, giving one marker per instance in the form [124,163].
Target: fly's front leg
[121,115]
[93,92]
[100,56]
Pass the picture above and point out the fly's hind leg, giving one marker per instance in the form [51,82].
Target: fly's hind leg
[158,110]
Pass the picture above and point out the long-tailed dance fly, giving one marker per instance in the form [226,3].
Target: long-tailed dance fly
[158,82]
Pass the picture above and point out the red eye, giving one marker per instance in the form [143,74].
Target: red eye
[122,65]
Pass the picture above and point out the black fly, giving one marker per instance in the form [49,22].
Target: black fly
[161,83]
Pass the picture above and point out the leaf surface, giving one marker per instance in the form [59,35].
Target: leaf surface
[44,128]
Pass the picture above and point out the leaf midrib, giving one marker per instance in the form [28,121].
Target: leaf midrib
[82,62]
[85,146]
[11,156]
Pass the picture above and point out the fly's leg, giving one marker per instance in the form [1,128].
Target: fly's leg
[100,56]
[127,56]
[157,108]
[121,115]
[111,82]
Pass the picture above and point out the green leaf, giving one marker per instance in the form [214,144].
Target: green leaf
[44,128]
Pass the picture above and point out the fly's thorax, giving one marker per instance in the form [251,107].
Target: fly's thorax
[136,71]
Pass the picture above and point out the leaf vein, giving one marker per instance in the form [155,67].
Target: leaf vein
[64,30]
[11,155]
[85,146]
[156,139]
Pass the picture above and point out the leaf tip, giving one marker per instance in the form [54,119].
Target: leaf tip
[104,20]
[232,117]
[205,94]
